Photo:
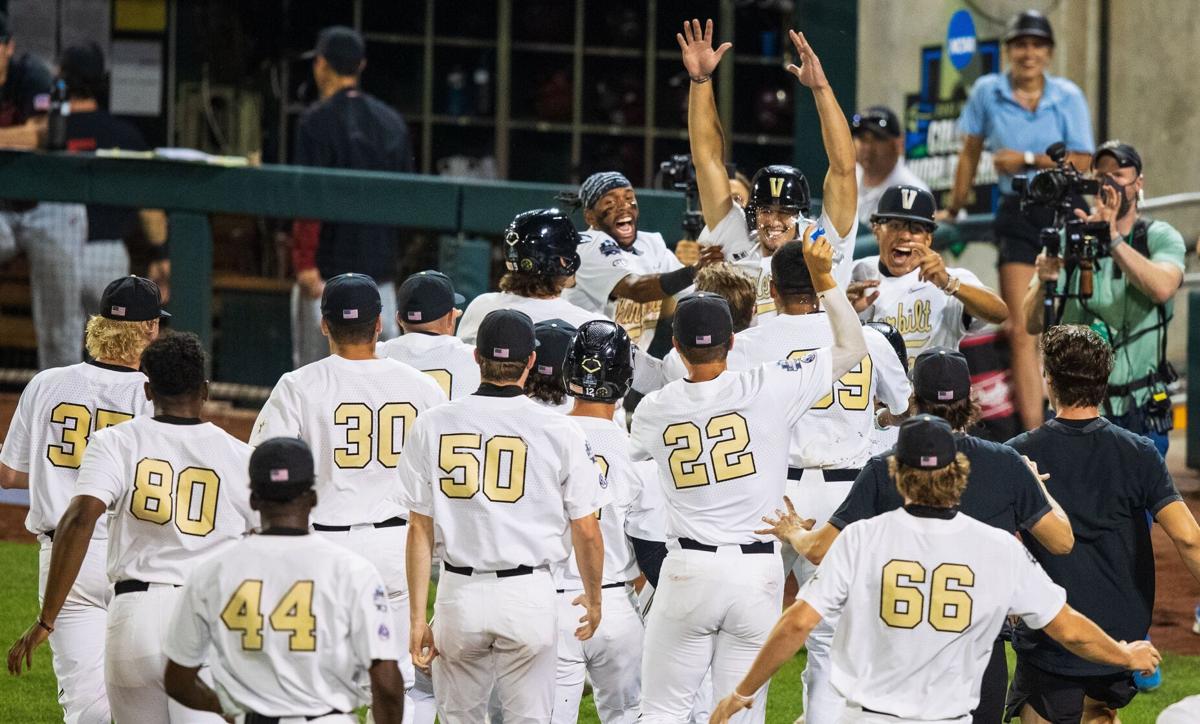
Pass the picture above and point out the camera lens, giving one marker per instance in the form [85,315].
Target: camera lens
[1047,187]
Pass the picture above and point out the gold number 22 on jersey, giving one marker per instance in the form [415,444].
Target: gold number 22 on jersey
[293,613]
[902,604]
[458,452]
[77,427]
[361,422]
[729,457]
[853,389]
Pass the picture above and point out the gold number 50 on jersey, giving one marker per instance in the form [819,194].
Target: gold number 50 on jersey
[902,604]
[293,613]
[729,458]
[459,452]
[191,499]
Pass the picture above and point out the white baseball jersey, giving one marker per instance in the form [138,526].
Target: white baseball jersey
[721,446]
[922,600]
[924,314]
[743,250]
[58,411]
[502,477]
[610,447]
[539,310]
[445,358]
[295,621]
[836,432]
[176,493]
[604,263]
[354,415]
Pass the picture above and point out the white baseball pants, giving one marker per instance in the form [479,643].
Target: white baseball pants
[612,659]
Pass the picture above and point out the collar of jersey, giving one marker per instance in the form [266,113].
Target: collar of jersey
[284,531]
[111,368]
[487,389]
[173,420]
[602,236]
[1076,429]
[928,511]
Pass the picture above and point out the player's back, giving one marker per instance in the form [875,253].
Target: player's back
[354,415]
[58,411]
[505,474]
[722,445]
[176,492]
[922,598]
[295,621]
[445,358]
[539,310]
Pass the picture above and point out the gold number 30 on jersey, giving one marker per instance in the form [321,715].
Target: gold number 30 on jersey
[853,390]
[293,614]
[361,423]
[902,604]
[729,458]
[76,421]
[503,479]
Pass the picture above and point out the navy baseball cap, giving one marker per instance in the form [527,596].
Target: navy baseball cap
[342,47]
[941,375]
[350,299]
[281,469]
[926,442]
[1125,155]
[554,338]
[132,299]
[702,319]
[506,335]
[910,203]
[880,120]
[426,296]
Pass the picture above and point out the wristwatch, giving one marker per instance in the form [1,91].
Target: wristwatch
[1030,159]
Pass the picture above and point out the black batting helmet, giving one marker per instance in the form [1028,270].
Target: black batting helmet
[894,338]
[599,365]
[543,242]
[777,185]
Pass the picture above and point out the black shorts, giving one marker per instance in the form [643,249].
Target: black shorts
[1018,237]
[1058,698]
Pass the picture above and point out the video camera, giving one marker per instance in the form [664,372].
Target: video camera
[679,173]
[1054,188]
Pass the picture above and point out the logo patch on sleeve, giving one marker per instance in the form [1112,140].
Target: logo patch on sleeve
[792,365]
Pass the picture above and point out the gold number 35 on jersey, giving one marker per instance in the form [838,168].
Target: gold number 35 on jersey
[902,603]
[293,614]
[76,421]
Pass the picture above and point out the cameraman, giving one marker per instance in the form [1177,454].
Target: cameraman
[1131,299]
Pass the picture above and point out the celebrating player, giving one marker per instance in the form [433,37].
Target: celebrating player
[909,285]
[922,592]
[541,258]
[427,312]
[779,196]
[721,444]
[626,273]
[175,491]
[46,441]
[354,410]
[499,478]
[294,619]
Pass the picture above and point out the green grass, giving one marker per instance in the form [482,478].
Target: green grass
[31,698]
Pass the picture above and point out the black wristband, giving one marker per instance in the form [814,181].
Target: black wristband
[673,282]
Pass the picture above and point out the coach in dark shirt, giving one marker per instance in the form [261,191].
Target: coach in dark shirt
[1001,491]
[1108,479]
[347,128]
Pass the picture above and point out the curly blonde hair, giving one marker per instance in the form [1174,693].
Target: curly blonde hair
[120,341]
[941,488]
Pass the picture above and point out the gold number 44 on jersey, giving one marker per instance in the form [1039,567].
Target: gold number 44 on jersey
[293,614]
[902,603]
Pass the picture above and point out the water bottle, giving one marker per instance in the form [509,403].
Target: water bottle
[56,122]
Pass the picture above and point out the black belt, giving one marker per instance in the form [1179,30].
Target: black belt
[49,534]
[1138,384]
[832,475]
[389,523]
[506,573]
[252,718]
[764,546]
[131,586]
[618,584]
[869,711]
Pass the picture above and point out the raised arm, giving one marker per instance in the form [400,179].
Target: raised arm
[840,197]
[849,345]
[704,125]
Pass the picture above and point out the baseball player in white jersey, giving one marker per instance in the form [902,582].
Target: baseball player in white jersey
[545,383]
[597,371]
[923,592]
[909,286]
[298,623]
[175,491]
[541,256]
[626,273]
[57,412]
[427,313]
[355,410]
[508,487]
[721,440]
[778,208]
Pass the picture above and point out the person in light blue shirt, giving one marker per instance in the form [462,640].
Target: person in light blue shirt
[1016,115]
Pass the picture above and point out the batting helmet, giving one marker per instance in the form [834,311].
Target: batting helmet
[894,338]
[777,185]
[599,365]
[543,242]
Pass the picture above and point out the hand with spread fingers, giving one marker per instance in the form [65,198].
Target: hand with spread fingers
[786,526]
[862,294]
[699,58]
[808,70]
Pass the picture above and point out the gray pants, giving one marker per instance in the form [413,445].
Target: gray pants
[52,236]
[103,261]
[309,345]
